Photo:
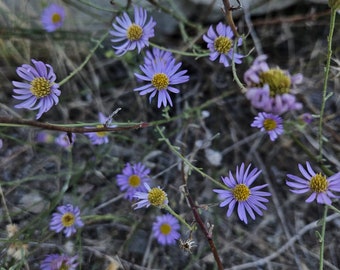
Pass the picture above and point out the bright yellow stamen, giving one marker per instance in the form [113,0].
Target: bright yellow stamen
[56,18]
[134,180]
[156,197]
[318,183]
[64,266]
[160,81]
[269,124]
[40,87]
[68,219]
[134,32]
[279,83]
[223,44]
[101,133]
[165,228]
[241,192]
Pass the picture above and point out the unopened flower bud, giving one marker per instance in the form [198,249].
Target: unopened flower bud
[334,4]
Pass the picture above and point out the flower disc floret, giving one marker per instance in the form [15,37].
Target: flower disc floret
[154,196]
[40,92]
[279,83]
[128,35]
[249,200]
[160,81]
[317,185]
[220,44]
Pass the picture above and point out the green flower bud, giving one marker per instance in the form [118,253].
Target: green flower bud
[334,4]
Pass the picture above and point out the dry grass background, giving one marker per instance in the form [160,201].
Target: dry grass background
[33,175]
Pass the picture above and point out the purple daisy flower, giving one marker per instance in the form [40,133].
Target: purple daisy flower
[157,55]
[270,123]
[41,92]
[99,137]
[161,73]
[44,137]
[132,179]
[320,187]
[269,89]
[153,196]
[63,140]
[239,191]
[130,35]
[67,218]
[58,262]
[221,45]
[53,17]
[165,229]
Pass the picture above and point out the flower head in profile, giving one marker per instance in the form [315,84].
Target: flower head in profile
[65,140]
[67,219]
[53,17]
[130,35]
[248,199]
[317,185]
[132,179]
[157,55]
[101,136]
[270,123]
[220,43]
[270,89]
[40,92]
[161,73]
[153,196]
[165,229]
[59,262]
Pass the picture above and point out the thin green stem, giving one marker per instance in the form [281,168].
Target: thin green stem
[99,42]
[172,212]
[323,232]
[197,55]
[186,161]
[324,90]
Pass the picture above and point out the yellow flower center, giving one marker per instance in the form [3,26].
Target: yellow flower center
[56,18]
[269,124]
[318,183]
[134,180]
[160,81]
[165,228]
[40,87]
[279,83]
[134,32]
[101,133]
[156,197]
[223,44]
[241,192]
[64,266]
[68,219]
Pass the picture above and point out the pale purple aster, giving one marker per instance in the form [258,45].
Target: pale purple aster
[63,140]
[221,44]
[165,229]
[157,55]
[153,196]
[270,123]
[66,219]
[59,262]
[101,137]
[248,199]
[53,17]
[41,92]
[130,35]
[132,179]
[44,137]
[317,185]
[306,118]
[161,75]
[271,89]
